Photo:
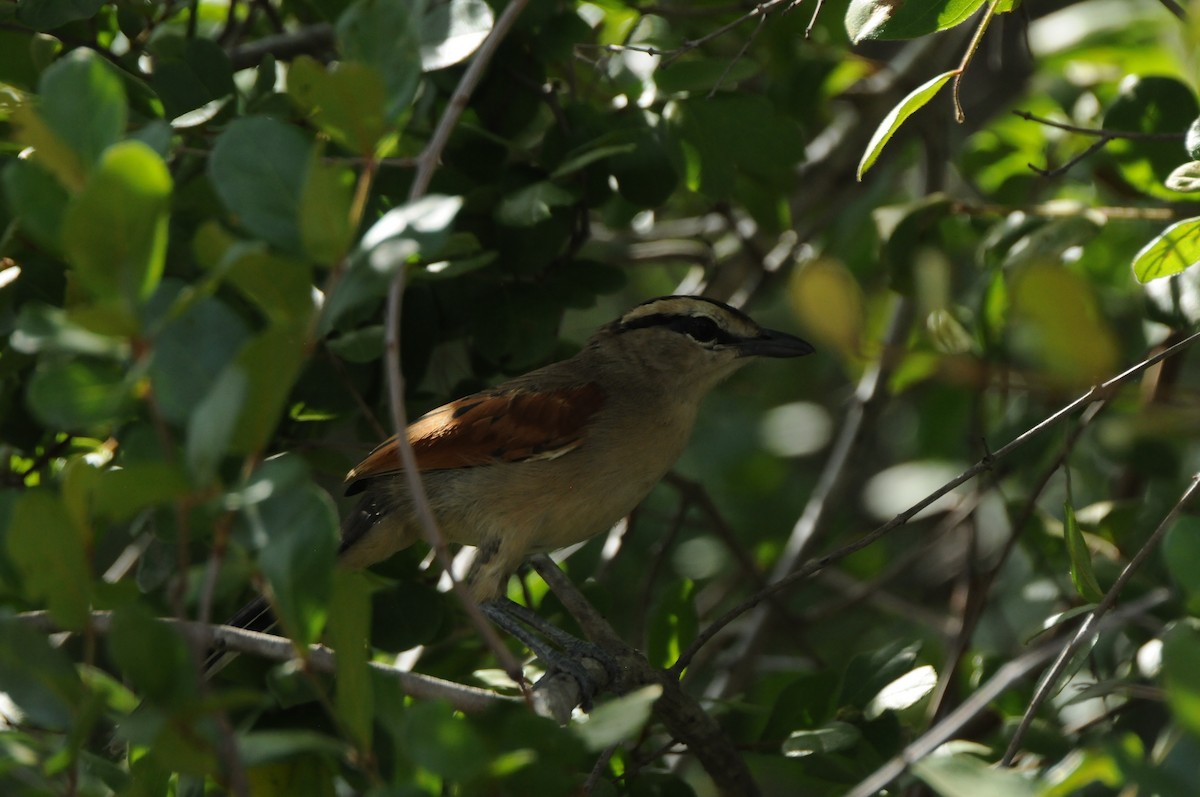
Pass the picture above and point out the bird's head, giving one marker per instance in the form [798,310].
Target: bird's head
[699,340]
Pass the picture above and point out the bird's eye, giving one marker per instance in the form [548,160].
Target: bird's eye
[698,328]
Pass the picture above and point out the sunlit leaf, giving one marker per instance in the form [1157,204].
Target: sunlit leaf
[831,738]
[115,232]
[1175,249]
[451,31]
[905,19]
[916,100]
[257,167]
[617,720]
[965,775]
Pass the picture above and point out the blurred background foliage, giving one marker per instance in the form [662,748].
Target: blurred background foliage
[203,206]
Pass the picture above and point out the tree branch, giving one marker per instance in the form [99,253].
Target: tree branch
[275,648]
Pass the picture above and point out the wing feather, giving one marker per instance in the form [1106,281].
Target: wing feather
[504,425]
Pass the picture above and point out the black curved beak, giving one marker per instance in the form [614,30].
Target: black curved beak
[771,343]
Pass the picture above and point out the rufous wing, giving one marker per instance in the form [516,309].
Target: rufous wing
[512,425]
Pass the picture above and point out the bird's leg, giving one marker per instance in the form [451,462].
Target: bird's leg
[555,647]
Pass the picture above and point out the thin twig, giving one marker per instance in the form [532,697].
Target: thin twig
[1175,9]
[427,163]
[1097,393]
[1087,629]
[1132,135]
[968,55]
[276,648]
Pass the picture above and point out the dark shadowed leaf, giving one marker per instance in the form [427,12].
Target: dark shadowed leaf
[49,551]
[39,679]
[257,168]
[302,531]
[151,656]
[386,36]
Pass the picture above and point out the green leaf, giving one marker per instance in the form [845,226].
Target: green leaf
[1154,105]
[83,104]
[211,424]
[964,775]
[1175,249]
[346,101]
[257,748]
[830,738]
[49,551]
[438,740]
[673,624]
[17,66]
[349,631]
[325,211]
[42,328]
[1057,323]
[451,31]
[38,678]
[1180,652]
[151,655]
[189,73]
[415,229]
[617,720]
[385,35]
[527,206]
[271,362]
[115,232]
[918,98]
[905,19]
[735,135]
[124,492]
[78,394]
[50,14]
[279,286]
[870,672]
[39,201]
[1180,553]
[258,167]
[905,230]
[190,352]
[575,161]
[1082,574]
[705,74]
[301,527]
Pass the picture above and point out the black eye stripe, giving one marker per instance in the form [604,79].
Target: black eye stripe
[699,328]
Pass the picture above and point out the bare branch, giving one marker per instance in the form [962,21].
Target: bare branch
[276,648]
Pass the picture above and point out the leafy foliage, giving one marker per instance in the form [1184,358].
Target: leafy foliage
[205,205]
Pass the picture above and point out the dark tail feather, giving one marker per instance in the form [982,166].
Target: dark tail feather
[254,616]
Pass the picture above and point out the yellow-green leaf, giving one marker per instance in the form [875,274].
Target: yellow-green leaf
[896,117]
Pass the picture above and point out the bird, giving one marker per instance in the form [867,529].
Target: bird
[555,456]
